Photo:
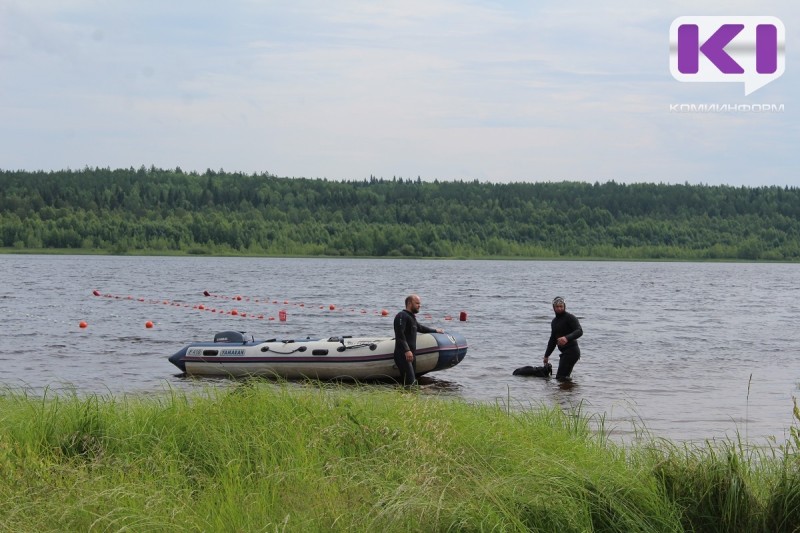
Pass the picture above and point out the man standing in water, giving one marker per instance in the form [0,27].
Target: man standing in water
[406,328]
[564,333]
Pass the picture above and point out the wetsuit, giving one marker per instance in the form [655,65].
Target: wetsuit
[565,325]
[406,328]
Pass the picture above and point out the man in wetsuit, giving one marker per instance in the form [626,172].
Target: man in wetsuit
[564,333]
[406,328]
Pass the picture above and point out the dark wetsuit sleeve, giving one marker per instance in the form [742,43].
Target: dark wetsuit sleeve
[400,330]
[575,328]
[425,329]
[551,345]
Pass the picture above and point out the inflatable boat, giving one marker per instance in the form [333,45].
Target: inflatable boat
[236,354]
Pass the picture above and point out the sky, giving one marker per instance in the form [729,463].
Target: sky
[495,91]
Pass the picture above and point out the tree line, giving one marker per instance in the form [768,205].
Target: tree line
[216,212]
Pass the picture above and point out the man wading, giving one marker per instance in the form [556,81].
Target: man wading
[406,328]
[565,330]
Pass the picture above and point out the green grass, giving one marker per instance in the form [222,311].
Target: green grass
[266,457]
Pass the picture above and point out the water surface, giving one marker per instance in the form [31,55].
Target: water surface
[687,350]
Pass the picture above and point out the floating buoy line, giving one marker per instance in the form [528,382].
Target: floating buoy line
[282,314]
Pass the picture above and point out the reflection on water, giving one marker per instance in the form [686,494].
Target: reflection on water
[567,385]
[435,385]
[687,350]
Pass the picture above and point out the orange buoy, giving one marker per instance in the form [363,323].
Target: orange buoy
[148,324]
[83,324]
[384,312]
[462,316]
[234,312]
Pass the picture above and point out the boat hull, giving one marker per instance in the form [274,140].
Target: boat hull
[361,358]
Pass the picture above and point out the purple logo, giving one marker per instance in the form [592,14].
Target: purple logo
[749,50]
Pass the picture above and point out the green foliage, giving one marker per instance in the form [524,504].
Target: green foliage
[712,491]
[152,210]
[264,457]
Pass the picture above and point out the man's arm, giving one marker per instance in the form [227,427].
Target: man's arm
[551,345]
[575,326]
[426,329]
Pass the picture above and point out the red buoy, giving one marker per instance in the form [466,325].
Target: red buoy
[282,315]
[206,293]
[148,324]
[96,292]
[462,316]
[384,312]
[331,307]
[83,324]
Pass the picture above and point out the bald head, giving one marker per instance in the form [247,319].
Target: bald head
[413,303]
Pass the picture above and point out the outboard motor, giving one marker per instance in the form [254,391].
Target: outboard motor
[237,337]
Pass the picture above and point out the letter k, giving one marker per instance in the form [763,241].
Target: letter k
[689,49]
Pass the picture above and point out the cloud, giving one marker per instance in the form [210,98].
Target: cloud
[442,89]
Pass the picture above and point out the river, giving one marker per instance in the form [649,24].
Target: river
[687,351]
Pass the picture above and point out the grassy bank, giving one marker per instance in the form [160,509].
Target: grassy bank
[261,457]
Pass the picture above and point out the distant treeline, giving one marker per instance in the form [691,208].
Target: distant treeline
[155,210]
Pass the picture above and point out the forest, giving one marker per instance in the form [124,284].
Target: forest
[152,210]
